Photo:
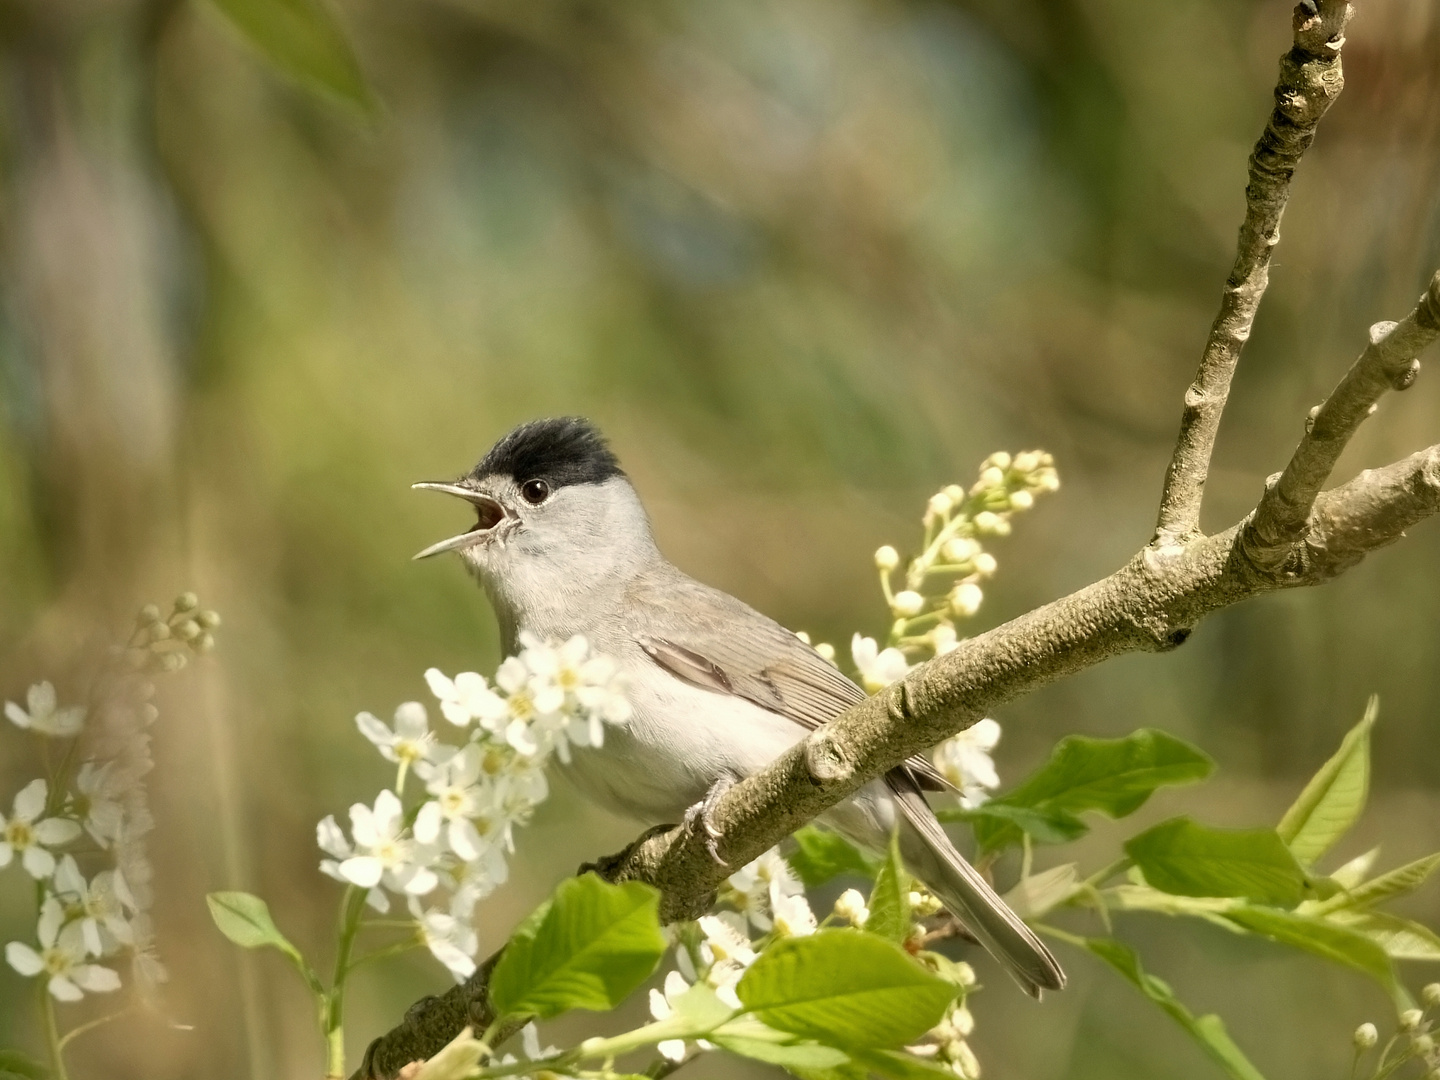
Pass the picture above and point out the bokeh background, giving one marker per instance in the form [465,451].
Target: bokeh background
[805,261]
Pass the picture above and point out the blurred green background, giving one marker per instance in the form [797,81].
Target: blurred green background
[805,262]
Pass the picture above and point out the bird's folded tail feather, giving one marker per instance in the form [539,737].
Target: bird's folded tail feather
[932,858]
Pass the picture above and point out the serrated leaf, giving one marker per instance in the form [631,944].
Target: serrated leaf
[303,39]
[889,902]
[844,988]
[1398,882]
[822,855]
[1334,797]
[1185,858]
[1322,937]
[1400,938]
[1112,776]
[1209,1031]
[591,947]
[1037,894]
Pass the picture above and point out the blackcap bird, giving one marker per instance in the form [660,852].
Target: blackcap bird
[563,546]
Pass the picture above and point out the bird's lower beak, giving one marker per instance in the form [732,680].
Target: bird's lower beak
[491,513]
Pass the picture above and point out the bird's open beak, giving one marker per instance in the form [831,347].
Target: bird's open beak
[490,512]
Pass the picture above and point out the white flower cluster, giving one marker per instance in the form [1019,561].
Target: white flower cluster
[767,897]
[454,843]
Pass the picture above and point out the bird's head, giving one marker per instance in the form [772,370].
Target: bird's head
[550,502]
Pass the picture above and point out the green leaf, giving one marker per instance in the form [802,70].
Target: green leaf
[18,1064]
[890,898]
[1044,825]
[1334,797]
[1185,858]
[1400,938]
[1208,1031]
[591,947]
[1034,896]
[1322,937]
[1355,871]
[1112,776]
[303,39]
[780,1049]
[824,855]
[844,988]
[1398,882]
[898,1065]
[245,920]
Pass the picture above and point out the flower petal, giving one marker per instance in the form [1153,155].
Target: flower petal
[362,870]
[24,959]
[52,832]
[374,729]
[62,989]
[30,801]
[96,978]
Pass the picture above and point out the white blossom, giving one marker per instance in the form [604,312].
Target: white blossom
[907,603]
[461,698]
[761,886]
[98,906]
[28,835]
[878,667]
[662,1007]
[850,906]
[458,797]
[383,853]
[450,940]
[100,792]
[965,599]
[61,957]
[42,716]
[793,917]
[965,761]
[409,744]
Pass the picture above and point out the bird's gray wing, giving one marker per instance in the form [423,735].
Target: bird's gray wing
[711,639]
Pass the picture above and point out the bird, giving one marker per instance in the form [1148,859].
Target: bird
[562,545]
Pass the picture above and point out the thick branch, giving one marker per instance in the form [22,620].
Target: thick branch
[1388,363]
[1310,80]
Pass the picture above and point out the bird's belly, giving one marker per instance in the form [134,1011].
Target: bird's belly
[680,740]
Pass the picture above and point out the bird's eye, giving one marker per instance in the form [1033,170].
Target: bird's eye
[535,491]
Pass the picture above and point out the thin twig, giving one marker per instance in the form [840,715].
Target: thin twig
[1388,363]
[1310,80]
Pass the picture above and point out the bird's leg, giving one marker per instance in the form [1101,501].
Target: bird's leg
[704,811]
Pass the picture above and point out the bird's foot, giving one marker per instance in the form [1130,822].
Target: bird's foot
[703,812]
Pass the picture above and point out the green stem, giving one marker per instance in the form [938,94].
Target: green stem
[393,949]
[333,1004]
[1119,866]
[88,1026]
[1059,935]
[52,1033]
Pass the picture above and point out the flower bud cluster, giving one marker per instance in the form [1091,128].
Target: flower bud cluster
[943,583]
[165,642]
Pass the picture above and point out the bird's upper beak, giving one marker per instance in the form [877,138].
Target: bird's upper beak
[491,513]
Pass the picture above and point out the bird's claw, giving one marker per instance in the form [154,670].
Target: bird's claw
[703,812]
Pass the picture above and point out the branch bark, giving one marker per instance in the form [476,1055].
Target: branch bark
[1296,536]
[1310,79]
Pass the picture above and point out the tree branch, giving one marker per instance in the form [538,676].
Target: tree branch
[1310,80]
[1388,363]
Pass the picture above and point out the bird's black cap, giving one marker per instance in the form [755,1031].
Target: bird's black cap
[561,451]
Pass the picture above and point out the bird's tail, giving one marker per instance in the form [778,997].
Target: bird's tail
[932,858]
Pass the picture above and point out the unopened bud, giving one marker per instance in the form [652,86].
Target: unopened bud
[966,1064]
[998,460]
[850,906]
[956,493]
[1027,461]
[991,523]
[908,603]
[209,619]
[1021,500]
[159,631]
[1047,480]
[148,713]
[826,651]
[1366,1036]
[203,643]
[923,904]
[148,614]
[940,504]
[188,630]
[886,558]
[187,601]
[965,599]
[1422,1044]
[963,1021]
[991,478]
[172,661]
[1431,995]
[943,639]
[1410,1019]
[960,549]
[984,563]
